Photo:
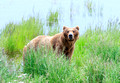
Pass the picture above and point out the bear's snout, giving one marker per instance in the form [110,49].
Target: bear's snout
[71,36]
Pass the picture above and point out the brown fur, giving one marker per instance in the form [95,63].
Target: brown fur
[59,42]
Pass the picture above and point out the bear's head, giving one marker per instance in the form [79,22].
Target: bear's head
[71,34]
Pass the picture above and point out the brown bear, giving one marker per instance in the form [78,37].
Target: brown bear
[62,42]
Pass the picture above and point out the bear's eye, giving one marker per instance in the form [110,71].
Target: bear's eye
[67,31]
[73,31]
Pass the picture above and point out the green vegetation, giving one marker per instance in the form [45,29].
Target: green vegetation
[52,23]
[15,36]
[51,68]
[52,19]
[96,58]
[98,54]
[91,6]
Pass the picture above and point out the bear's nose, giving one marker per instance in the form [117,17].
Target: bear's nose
[70,36]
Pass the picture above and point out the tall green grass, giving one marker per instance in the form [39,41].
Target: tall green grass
[15,36]
[52,18]
[5,73]
[97,52]
[96,57]
[51,67]
[53,23]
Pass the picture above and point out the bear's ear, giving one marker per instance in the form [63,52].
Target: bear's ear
[77,27]
[64,27]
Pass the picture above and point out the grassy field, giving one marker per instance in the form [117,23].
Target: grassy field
[96,58]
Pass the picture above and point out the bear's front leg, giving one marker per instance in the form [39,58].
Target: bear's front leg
[70,53]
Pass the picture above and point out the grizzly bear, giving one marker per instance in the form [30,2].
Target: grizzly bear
[63,42]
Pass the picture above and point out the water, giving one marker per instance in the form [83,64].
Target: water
[72,12]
